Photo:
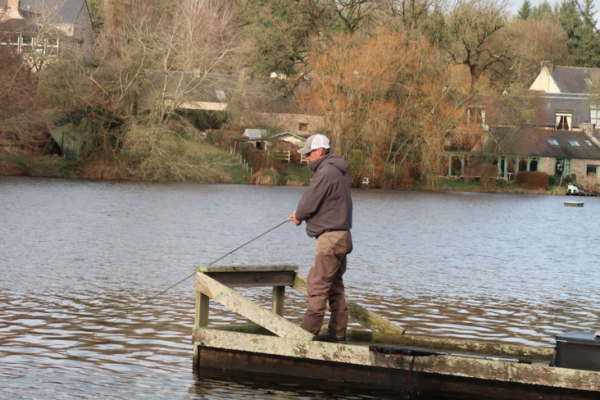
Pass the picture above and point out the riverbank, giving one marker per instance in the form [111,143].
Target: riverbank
[453,185]
[223,169]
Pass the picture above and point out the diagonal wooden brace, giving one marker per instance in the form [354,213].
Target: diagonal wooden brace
[249,309]
[366,318]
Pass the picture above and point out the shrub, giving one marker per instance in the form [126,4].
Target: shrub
[569,178]
[552,180]
[488,174]
[533,180]
[267,176]
[471,171]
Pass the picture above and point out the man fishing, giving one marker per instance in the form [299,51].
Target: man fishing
[327,209]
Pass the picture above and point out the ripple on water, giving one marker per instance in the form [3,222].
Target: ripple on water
[78,254]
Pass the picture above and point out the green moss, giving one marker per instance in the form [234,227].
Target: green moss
[296,175]
[47,166]
[452,184]
[237,173]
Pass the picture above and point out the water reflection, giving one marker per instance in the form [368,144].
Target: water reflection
[76,254]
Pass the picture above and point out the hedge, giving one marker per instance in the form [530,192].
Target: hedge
[532,180]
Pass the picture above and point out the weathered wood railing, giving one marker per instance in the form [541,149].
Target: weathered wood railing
[216,282]
[275,345]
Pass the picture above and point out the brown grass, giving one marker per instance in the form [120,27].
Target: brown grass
[100,169]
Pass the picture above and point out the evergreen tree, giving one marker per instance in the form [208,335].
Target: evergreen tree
[578,25]
[589,45]
[525,11]
[435,28]
[542,11]
[588,13]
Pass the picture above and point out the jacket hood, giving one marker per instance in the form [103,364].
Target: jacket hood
[332,159]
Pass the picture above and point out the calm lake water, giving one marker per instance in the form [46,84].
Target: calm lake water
[75,254]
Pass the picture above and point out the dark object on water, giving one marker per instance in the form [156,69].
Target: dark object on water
[578,350]
[573,204]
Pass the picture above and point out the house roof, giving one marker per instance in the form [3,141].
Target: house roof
[207,86]
[262,139]
[534,142]
[303,139]
[548,104]
[62,11]
[266,94]
[572,79]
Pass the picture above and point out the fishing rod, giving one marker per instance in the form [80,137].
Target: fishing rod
[170,287]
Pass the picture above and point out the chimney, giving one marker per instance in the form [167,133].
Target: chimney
[12,9]
[548,65]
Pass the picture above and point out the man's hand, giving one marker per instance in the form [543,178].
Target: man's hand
[294,220]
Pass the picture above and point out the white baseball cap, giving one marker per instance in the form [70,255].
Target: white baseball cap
[315,142]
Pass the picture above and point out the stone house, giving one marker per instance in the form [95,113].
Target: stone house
[555,152]
[255,102]
[570,82]
[561,138]
[47,27]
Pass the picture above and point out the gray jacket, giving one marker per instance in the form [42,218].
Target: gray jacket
[327,204]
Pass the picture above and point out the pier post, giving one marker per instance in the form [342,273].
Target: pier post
[201,319]
[278,300]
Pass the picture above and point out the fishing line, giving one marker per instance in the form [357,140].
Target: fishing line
[170,287]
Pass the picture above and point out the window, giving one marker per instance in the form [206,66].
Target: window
[592,170]
[574,143]
[476,115]
[27,44]
[79,45]
[553,142]
[559,166]
[588,142]
[302,126]
[563,121]
[595,115]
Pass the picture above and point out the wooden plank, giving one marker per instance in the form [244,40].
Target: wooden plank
[440,343]
[249,309]
[360,355]
[358,313]
[222,364]
[244,268]
[278,300]
[254,279]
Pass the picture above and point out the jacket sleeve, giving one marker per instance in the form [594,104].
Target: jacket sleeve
[311,200]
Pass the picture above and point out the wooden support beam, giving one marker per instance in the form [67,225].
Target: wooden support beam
[278,300]
[249,309]
[360,355]
[244,268]
[253,278]
[366,318]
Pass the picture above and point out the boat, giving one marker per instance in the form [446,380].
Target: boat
[382,357]
[575,190]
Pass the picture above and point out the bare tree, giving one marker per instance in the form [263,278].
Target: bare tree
[472,24]
[391,100]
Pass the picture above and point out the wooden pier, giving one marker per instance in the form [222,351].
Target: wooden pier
[274,346]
